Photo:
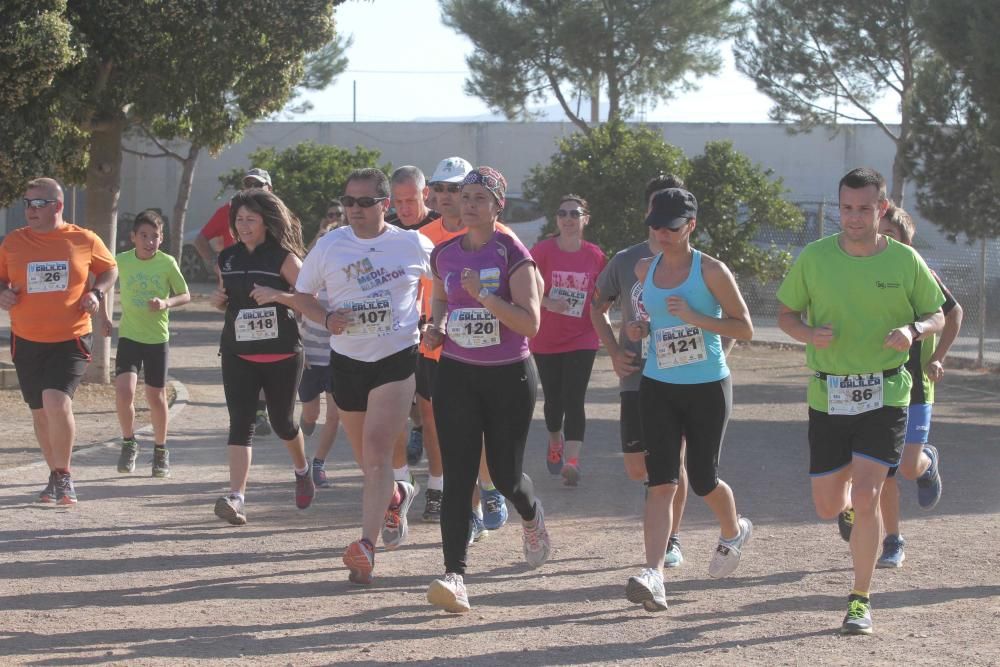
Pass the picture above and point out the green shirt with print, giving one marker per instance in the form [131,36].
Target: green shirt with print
[140,281]
[863,298]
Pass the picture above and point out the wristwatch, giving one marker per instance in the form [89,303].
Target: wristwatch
[918,329]
[483,293]
[98,293]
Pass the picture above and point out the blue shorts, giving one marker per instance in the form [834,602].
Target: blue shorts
[918,423]
[315,381]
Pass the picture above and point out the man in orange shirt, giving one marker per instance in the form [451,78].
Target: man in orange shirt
[45,271]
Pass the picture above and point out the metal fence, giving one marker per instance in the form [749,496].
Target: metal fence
[971,272]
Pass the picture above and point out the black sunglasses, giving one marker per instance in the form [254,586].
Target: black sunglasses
[447,187]
[576,213]
[38,203]
[363,202]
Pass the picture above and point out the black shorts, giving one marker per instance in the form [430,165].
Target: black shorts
[834,439]
[315,381]
[133,356]
[42,366]
[426,372]
[352,380]
[629,418]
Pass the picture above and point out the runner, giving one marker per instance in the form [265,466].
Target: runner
[217,232]
[617,284]
[371,272]
[151,284]
[919,460]
[486,305]
[260,347]
[44,284]
[566,344]
[859,291]
[692,301]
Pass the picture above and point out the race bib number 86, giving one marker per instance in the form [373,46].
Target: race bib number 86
[853,394]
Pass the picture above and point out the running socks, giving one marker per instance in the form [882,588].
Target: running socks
[485,486]
[302,472]
[401,474]
[861,594]
[435,483]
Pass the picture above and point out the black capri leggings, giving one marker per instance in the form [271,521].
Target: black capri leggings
[243,381]
[565,376]
[698,411]
[475,405]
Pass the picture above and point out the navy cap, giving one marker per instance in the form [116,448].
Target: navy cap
[672,208]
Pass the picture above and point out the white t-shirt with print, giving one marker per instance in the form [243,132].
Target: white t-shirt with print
[379,279]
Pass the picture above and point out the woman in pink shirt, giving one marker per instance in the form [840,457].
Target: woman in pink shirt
[566,344]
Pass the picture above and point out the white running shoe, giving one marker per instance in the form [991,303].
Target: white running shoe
[395,528]
[647,590]
[449,594]
[536,539]
[727,555]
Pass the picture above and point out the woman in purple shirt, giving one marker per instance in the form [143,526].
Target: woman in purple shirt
[485,307]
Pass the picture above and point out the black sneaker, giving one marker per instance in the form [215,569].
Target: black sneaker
[48,494]
[262,426]
[432,508]
[230,508]
[65,493]
[845,522]
[161,462]
[126,460]
[859,616]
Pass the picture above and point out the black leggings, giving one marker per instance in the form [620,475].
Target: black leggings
[565,376]
[243,380]
[475,405]
[672,411]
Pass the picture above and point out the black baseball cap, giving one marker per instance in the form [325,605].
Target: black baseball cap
[672,208]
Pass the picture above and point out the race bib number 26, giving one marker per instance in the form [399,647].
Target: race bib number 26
[48,276]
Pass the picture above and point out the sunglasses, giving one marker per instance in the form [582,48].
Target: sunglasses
[335,214]
[447,187]
[363,202]
[38,203]
[672,229]
[576,213]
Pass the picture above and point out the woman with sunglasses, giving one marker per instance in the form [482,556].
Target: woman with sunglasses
[485,307]
[693,302]
[567,343]
[261,347]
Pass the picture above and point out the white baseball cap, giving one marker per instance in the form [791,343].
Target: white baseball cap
[451,170]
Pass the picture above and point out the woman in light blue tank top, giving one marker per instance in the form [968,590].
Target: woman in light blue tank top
[693,302]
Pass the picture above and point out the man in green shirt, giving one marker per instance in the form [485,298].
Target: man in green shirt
[151,284]
[851,299]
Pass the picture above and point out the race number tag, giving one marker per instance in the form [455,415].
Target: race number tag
[678,346]
[473,327]
[372,316]
[257,324]
[573,298]
[48,276]
[853,394]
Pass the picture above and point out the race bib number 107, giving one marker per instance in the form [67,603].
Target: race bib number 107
[48,276]
[371,316]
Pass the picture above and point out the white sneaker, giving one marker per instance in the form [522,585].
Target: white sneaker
[647,590]
[536,539]
[727,555]
[449,594]
[395,528]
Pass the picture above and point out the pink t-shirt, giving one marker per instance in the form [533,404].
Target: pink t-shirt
[569,277]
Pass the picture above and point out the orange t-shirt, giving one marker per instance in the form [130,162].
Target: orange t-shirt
[50,273]
[438,234]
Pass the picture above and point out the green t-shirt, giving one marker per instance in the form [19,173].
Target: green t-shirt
[863,298]
[141,280]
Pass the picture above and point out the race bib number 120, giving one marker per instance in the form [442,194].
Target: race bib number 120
[48,276]
[678,346]
[853,394]
[256,324]
[473,327]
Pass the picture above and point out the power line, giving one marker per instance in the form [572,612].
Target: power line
[403,71]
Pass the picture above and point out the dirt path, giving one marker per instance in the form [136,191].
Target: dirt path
[142,572]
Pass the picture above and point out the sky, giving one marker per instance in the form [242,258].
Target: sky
[405,65]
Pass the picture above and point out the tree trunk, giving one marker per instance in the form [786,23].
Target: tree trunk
[181,204]
[898,176]
[101,216]
[595,103]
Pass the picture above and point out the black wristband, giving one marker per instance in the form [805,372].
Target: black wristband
[326,322]
[98,293]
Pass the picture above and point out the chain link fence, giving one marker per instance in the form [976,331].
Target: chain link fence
[971,272]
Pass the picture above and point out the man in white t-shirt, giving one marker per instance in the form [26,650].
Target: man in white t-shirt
[371,272]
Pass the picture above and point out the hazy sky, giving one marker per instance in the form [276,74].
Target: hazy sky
[408,65]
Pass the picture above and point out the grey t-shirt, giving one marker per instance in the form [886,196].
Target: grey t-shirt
[618,279]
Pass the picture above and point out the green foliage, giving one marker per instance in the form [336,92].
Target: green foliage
[35,45]
[321,68]
[636,50]
[609,167]
[307,176]
[736,200]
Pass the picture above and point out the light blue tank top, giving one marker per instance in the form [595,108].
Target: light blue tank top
[680,353]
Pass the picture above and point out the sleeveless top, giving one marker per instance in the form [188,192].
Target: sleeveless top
[251,328]
[681,353]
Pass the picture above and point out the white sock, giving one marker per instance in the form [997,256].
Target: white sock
[401,474]
[435,483]
[238,495]
[303,471]
[478,511]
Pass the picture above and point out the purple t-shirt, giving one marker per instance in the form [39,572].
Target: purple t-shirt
[473,334]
